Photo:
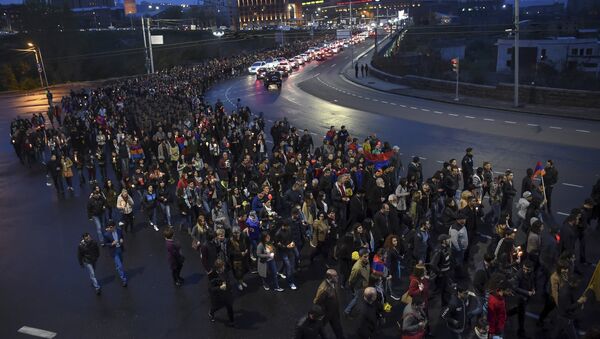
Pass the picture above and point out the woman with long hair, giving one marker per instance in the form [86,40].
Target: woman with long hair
[267,268]
[394,253]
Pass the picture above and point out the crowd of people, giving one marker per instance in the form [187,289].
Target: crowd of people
[151,148]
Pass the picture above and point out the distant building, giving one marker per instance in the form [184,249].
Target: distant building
[257,13]
[129,7]
[559,53]
[82,3]
[10,18]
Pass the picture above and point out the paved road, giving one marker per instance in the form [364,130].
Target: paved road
[42,286]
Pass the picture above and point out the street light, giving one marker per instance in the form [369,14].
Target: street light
[39,62]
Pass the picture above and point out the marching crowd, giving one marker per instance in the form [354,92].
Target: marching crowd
[151,148]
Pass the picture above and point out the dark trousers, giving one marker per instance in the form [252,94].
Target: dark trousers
[565,326]
[336,326]
[581,237]
[176,272]
[549,197]
[217,305]
[127,220]
[520,312]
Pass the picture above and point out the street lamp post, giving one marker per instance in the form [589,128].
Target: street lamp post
[516,54]
[376,23]
[39,63]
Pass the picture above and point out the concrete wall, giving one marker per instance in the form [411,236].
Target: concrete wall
[503,91]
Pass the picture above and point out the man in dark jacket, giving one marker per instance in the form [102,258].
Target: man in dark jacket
[415,170]
[219,289]
[95,210]
[174,256]
[381,229]
[460,310]
[524,288]
[285,249]
[550,179]
[54,169]
[311,325]
[327,298]
[87,254]
[467,167]
[368,319]
[568,306]
[113,239]
[508,194]
[450,183]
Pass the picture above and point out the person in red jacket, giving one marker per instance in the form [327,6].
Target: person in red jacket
[497,307]
[419,284]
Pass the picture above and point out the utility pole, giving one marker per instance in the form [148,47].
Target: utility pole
[150,48]
[147,58]
[376,24]
[456,68]
[516,54]
[351,45]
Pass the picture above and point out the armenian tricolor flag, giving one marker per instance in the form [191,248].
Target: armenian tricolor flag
[380,160]
[539,170]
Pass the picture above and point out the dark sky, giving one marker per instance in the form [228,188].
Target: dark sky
[192,2]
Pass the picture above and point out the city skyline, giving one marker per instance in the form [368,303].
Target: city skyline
[193,2]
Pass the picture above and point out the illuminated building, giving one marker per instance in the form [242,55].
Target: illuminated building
[255,13]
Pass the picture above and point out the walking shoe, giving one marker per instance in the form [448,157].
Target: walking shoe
[244,284]
[293,287]
[155,228]
[211,317]
[121,223]
[282,276]
[253,258]
[266,287]
[279,289]
[98,291]
[240,287]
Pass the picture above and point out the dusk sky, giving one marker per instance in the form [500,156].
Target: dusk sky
[192,2]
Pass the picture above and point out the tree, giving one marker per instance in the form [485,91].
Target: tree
[8,80]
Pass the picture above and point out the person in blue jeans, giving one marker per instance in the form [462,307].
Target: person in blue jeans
[359,278]
[87,254]
[265,253]
[285,250]
[95,209]
[113,239]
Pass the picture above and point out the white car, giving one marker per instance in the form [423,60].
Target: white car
[271,62]
[255,66]
[286,65]
[299,60]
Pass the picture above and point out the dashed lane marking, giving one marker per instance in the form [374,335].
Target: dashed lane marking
[413,107]
[563,213]
[582,131]
[332,66]
[510,122]
[438,112]
[469,117]
[393,103]
[488,119]
[555,127]
[424,110]
[375,99]
[403,106]
[452,114]
[36,332]
[533,125]
[383,101]
[572,185]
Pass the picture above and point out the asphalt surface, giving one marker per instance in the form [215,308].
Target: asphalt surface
[42,286]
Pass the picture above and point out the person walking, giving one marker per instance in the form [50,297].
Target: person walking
[356,70]
[467,168]
[550,179]
[54,169]
[87,254]
[125,206]
[113,239]
[220,291]
[369,316]
[67,170]
[359,278]
[366,70]
[311,325]
[327,298]
[149,202]
[174,255]
[414,319]
[95,210]
[265,252]
[362,70]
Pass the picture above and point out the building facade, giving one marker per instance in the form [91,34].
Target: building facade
[260,13]
[559,53]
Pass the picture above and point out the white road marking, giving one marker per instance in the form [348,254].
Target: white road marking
[424,110]
[452,114]
[360,96]
[413,107]
[269,120]
[393,103]
[438,112]
[403,106]
[469,117]
[36,332]
[572,185]
[383,101]
[332,66]
[488,119]
[582,131]
[439,161]
[510,122]
[375,99]
[334,100]
[554,127]
[563,213]
[533,125]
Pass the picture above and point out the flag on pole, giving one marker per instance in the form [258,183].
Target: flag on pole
[594,284]
[539,170]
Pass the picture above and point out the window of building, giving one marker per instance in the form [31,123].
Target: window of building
[543,54]
[574,51]
[508,63]
[509,51]
[581,51]
[588,51]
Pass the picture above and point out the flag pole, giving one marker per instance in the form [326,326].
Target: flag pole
[544,189]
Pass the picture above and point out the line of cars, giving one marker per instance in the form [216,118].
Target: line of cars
[272,70]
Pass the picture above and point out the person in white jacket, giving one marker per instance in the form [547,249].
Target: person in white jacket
[522,206]
[459,242]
